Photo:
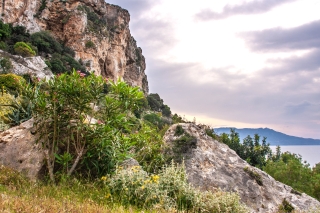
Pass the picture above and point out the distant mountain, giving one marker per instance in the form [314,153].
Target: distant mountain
[273,137]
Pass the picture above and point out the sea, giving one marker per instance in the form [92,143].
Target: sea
[311,153]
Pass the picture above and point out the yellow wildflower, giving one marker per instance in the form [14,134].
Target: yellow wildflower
[108,195]
[155,178]
[104,178]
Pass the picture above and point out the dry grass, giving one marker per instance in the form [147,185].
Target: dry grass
[36,204]
[17,194]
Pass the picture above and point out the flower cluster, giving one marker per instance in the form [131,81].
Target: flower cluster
[167,190]
[81,74]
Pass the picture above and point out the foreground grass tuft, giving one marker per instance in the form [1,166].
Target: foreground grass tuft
[131,190]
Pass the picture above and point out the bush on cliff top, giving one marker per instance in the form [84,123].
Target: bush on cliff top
[16,40]
[24,49]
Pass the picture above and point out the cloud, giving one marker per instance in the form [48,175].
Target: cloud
[291,99]
[278,39]
[251,7]
[303,110]
[135,7]
[155,36]
[308,62]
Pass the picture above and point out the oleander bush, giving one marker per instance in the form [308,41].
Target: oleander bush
[77,137]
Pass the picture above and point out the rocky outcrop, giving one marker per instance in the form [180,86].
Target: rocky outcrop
[35,66]
[211,165]
[20,152]
[98,32]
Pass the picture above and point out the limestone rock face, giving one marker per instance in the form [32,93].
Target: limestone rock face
[211,165]
[35,66]
[19,151]
[97,31]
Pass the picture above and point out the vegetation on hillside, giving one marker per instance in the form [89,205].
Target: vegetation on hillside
[17,40]
[250,150]
[286,167]
[87,127]
[289,169]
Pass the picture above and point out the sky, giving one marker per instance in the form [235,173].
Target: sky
[244,64]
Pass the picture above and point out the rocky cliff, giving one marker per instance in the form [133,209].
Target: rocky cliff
[211,165]
[97,31]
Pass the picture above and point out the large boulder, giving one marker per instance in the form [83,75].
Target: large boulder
[211,165]
[19,151]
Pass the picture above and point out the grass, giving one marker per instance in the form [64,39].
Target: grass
[17,194]
[126,191]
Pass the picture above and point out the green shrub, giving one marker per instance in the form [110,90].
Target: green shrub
[149,147]
[4,30]
[179,131]
[212,134]
[90,44]
[167,190]
[21,111]
[3,125]
[61,63]
[6,101]
[166,111]
[95,23]
[250,150]
[12,83]
[46,43]
[177,119]
[256,176]
[5,65]
[76,143]
[285,207]
[291,170]
[155,102]
[64,100]
[41,8]
[182,147]
[156,120]
[3,46]
[113,142]
[11,178]
[23,49]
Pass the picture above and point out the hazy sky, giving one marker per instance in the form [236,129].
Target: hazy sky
[234,63]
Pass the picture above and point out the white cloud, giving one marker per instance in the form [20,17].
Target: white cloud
[209,70]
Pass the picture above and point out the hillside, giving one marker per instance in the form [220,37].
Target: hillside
[79,131]
[273,137]
[96,31]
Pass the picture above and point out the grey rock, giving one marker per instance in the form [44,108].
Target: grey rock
[35,66]
[129,163]
[19,151]
[211,165]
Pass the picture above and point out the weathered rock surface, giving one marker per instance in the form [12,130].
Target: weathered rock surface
[113,52]
[35,66]
[19,151]
[211,165]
